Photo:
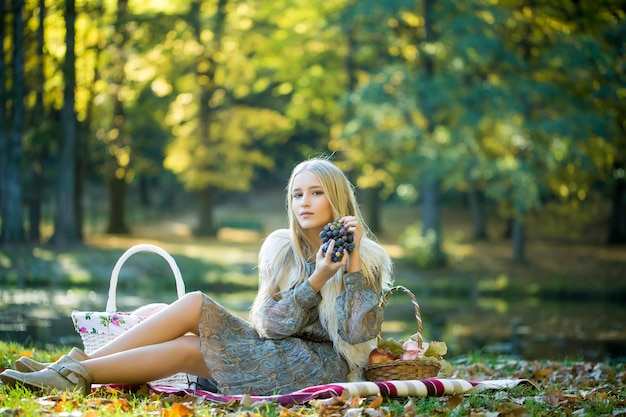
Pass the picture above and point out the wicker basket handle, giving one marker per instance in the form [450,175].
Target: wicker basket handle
[418,314]
[144,247]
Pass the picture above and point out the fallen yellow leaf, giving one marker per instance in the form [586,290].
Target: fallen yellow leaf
[27,353]
[178,410]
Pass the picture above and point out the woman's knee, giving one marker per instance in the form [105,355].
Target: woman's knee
[192,299]
[187,309]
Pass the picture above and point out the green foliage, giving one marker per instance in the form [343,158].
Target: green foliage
[520,102]
[420,246]
[228,158]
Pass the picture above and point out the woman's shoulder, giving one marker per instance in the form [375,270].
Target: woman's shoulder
[276,239]
[279,234]
[275,248]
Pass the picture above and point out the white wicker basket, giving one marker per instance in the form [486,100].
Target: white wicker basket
[98,328]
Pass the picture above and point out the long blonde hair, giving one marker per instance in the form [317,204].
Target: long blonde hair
[284,253]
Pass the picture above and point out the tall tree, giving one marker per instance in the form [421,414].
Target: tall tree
[35,190]
[118,146]
[4,135]
[365,52]
[66,230]
[612,34]
[205,75]
[400,111]
[219,136]
[11,193]
[430,188]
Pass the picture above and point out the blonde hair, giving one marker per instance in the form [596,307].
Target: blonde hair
[284,253]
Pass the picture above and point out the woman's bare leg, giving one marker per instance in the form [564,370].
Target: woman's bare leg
[148,363]
[176,320]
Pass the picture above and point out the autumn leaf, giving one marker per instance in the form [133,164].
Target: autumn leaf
[179,410]
[112,390]
[48,401]
[120,404]
[454,401]
[409,409]
[552,398]
[542,373]
[27,353]
[285,412]
[97,402]
[510,409]
[376,402]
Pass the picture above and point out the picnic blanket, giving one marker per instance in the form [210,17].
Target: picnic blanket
[410,388]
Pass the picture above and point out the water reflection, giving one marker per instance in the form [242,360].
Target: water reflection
[527,328]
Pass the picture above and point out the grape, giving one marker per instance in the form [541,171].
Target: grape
[344,240]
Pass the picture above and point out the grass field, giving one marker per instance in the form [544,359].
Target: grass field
[558,389]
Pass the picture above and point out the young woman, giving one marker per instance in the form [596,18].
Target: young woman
[314,321]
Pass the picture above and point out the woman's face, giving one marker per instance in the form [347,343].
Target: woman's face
[309,202]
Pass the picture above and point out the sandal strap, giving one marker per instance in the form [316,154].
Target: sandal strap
[67,373]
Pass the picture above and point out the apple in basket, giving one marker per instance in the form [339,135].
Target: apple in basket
[380,355]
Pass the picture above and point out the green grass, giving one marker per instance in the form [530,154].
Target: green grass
[558,388]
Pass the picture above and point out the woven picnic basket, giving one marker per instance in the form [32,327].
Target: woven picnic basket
[97,328]
[403,369]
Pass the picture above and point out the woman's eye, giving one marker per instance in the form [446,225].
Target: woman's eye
[297,195]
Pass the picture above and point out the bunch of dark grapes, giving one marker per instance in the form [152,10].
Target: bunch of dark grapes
[344,240]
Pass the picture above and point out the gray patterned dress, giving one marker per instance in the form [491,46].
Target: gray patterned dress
[297,352]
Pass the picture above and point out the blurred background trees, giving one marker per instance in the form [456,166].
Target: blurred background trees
[511,104]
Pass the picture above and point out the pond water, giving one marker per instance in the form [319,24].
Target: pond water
[525,328]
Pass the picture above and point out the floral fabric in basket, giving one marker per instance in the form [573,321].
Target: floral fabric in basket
[102,323]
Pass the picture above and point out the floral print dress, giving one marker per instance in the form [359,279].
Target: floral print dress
[294,351]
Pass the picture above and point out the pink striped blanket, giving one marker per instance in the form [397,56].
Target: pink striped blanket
[411,388]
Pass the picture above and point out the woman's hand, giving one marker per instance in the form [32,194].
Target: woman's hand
[325,268]
[354,226]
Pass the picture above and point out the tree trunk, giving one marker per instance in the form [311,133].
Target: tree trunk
[144,191]
[117,172]
[4,146]
[430,185]
[37,181]
[430,220]
[205,75]
[34,206]
[517,227]
[79,179]
[65,229]
[117,207]
[205,203]
[617,220]
[372,206]
[12,217]
[517,234]
[205,197]
[85,137]
[477,214]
